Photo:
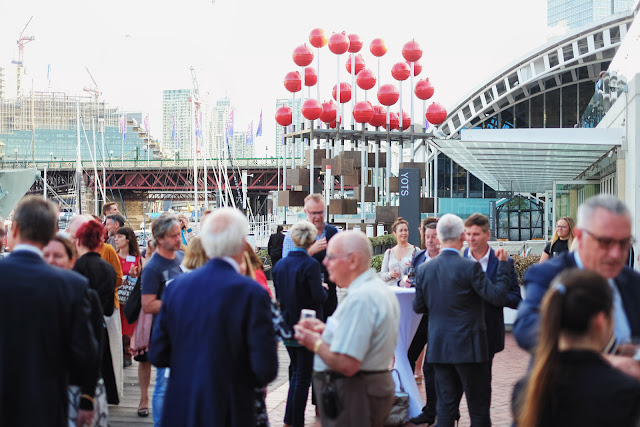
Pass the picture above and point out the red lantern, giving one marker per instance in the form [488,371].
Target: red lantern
[379,116]
[424,89]
[394,121]
[411,51]
[406,120]
[302,55]
[378,47]
[359,61]
[355,44]
[400,71]
[417,67]
[345,92]
[317,38]
[293,81]
[284,115]
[311,109]
[366,79]
[388,95]
[310,76]
[436,114]
[363,111]
[339,43]
[329,110]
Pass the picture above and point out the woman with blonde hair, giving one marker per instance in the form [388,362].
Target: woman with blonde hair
[194,256]
[297,279]
[571,383]
[396,261]
[562,239]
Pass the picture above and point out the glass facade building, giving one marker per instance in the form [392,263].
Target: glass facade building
[577,13]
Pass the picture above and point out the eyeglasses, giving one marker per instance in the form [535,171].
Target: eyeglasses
[336,256]
[608,243]
[315,213]
[562,227]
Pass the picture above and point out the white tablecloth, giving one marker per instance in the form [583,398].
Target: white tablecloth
[409,322]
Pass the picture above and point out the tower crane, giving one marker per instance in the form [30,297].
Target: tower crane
[22,40]
[93,90]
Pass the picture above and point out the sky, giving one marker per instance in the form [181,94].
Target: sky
[242,49]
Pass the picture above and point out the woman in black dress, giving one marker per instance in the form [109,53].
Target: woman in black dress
[102,279]
[562,239]
[571,383]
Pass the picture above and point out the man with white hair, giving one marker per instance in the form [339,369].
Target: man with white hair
[215,332]
[356,347]
[603,235]
[451,289]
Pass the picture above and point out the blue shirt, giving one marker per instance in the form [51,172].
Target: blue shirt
[288,246]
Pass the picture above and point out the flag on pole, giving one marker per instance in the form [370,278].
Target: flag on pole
[123,127]
[173,130]
[178,136]
[146,124]
[250,134]
[259,131]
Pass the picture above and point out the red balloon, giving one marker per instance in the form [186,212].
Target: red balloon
[388,95]
[329,110]
[424,89]
[394,121]
[436,114]
[363,111]
[345,92]
[355,44]
[317,38]
[401,71]
[378,47]
[379,116]
[417,67]
[333,124]
[310,76]
[406,120]
[359,61]
[411,51]
[302,55]
[366,79]
[311,109]
[284,115]
[293,81]
[339,43]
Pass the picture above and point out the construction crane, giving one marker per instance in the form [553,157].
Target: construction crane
[22,40]
[93,90]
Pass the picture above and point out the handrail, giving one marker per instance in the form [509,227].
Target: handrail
[137,164]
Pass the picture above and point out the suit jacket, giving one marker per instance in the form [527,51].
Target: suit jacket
[215,332]
[46,336]
[274,247]
[296,279]
[331,303]
[537,280]
[451,290]
[494,314]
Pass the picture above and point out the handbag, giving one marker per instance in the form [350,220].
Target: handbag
[400,409]
[134,303]
[124,291]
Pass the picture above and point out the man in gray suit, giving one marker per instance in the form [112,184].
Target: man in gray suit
[451,289]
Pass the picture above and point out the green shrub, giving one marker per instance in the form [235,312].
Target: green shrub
[387,240]
[263,254]
[376,262]
[523,263]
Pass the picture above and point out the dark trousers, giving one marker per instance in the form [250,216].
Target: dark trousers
[417,344]
[300,371]
[364,400]
[474,379]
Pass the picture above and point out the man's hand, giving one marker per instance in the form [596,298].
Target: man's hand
[625,364]
[501,254]
[306,337]
[85,418]
[313,324]
[318,246]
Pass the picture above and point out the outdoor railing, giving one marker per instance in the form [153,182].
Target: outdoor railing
[259,162]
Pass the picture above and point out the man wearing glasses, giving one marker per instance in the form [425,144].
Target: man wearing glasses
[314,209]
[604,238]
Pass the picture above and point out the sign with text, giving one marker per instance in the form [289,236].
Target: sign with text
[409,209]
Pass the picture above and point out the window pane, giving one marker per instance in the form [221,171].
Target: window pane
[522,115]
[537,111]
[553,109]
[569,105]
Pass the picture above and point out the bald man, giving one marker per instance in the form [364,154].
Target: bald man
[354,349]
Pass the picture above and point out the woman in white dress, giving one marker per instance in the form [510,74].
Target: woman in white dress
[397,260]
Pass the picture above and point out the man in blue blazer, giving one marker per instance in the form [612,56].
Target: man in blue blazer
[478,234]
[46,332]
[215,332]
[603,235]
[451,289]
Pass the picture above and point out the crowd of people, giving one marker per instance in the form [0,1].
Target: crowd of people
[201,310]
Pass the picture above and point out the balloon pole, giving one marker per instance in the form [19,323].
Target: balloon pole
[387,196]
[413,149]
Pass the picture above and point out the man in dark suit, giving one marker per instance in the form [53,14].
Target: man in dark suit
[216,334]
[46,334]
[603,235]
[315,210]
[477,233]
[451,290]
[274,247]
